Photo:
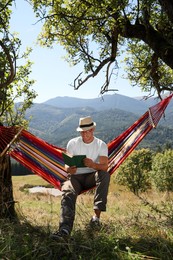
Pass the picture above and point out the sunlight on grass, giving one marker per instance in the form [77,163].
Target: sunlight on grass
[130,229]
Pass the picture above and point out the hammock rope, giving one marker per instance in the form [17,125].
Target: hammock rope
[46,160]
[8,135]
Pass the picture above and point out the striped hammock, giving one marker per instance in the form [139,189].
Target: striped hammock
[46,160]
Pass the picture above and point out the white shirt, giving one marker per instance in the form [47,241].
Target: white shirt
[93,150]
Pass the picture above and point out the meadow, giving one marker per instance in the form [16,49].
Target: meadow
[132,228]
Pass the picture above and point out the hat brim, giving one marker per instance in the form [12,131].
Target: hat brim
[81,129]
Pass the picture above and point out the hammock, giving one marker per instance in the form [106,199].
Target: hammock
[46,160]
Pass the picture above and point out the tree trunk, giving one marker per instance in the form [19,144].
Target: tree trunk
[7,209]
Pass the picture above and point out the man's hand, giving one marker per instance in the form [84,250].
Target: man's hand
[101,165]
[72,169]
[88,163]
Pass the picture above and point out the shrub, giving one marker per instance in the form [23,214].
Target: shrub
[162,170]
[134,172]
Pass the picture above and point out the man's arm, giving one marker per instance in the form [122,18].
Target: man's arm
[101,166]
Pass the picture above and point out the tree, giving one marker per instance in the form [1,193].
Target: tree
[15,97]
[134,172]
[98,32]
[162,170]
[7,54]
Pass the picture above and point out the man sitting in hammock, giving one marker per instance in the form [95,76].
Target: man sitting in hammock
[93,174]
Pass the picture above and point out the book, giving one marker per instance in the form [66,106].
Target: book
[74,160]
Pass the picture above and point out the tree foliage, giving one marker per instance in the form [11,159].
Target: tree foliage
[98,32]
[15,68]
[14,89]
[7,53]
[134,172]
[162,170]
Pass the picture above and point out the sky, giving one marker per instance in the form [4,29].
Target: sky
[53,75]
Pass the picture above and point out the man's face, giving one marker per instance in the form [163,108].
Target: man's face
[87,136]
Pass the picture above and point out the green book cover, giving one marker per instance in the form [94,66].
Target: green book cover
[74,160]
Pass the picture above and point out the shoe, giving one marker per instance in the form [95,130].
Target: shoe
[61,234]
[95,222]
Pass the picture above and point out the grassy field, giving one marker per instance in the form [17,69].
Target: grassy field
[132,227]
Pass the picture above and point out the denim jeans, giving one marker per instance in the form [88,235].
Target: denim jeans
[74,186]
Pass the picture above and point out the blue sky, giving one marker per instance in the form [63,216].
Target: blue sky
[53,75]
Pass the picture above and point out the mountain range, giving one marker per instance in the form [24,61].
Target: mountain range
[56,120]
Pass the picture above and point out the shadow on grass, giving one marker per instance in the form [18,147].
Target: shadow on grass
[24,241]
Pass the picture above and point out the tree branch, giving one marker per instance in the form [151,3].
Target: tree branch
[81,81]
[105,86]
[152,38]
[5,6]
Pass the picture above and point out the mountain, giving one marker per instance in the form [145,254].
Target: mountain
[57,123]
[105,102]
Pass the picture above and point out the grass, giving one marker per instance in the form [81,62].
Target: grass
[132,228]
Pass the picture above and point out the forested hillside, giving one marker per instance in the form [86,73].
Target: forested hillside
[57,124]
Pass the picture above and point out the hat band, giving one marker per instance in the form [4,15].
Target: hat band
[87,125]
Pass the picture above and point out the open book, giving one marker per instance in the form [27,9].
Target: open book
[74,160]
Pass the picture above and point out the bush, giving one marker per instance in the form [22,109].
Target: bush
[162,170]
[134,172]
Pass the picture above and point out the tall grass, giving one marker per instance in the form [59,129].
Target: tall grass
[132,227]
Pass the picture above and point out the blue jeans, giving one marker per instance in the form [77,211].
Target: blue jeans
[74,186]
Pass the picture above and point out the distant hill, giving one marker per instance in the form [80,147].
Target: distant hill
[114,101]
[57,123]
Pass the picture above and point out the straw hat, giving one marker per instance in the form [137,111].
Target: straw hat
[85,123]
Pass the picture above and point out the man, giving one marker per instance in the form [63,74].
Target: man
[93,174]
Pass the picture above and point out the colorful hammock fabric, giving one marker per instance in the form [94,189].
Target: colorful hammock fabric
[46,160]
